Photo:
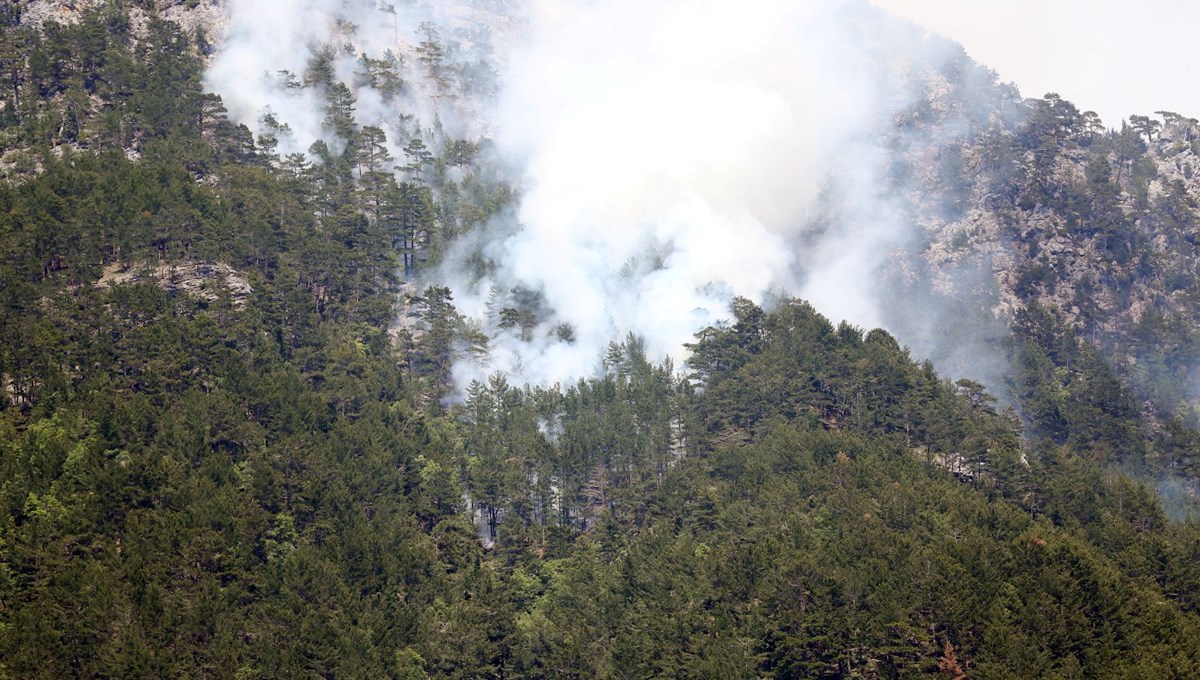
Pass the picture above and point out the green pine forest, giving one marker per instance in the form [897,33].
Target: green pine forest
[221,457]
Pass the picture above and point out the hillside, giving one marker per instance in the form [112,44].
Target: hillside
[1098,225]
[1052,258]
[236,439]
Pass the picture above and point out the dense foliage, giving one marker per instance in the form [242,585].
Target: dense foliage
[219,458]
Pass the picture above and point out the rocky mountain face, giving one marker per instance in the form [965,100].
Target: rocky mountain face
[1032,204]
[208,17]
[1100,224]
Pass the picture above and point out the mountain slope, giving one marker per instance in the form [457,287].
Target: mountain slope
[219,457]
[1050,210]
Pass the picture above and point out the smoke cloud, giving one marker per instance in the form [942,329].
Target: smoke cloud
[667,155]
[266,56]
[671,155]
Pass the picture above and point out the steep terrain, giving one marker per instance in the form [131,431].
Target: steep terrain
[221,454]
[1098,224]
[1036,209]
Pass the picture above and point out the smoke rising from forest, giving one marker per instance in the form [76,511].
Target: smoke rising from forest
[670,155]
[265,65]
[667,156]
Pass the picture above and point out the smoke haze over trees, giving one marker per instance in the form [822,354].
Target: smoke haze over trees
[666,157]
[486,339]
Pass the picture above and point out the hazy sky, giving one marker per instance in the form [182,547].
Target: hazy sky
[1114,57]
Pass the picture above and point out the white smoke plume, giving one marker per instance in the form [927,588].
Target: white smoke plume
[667,154]
[269,46]
[671,153]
